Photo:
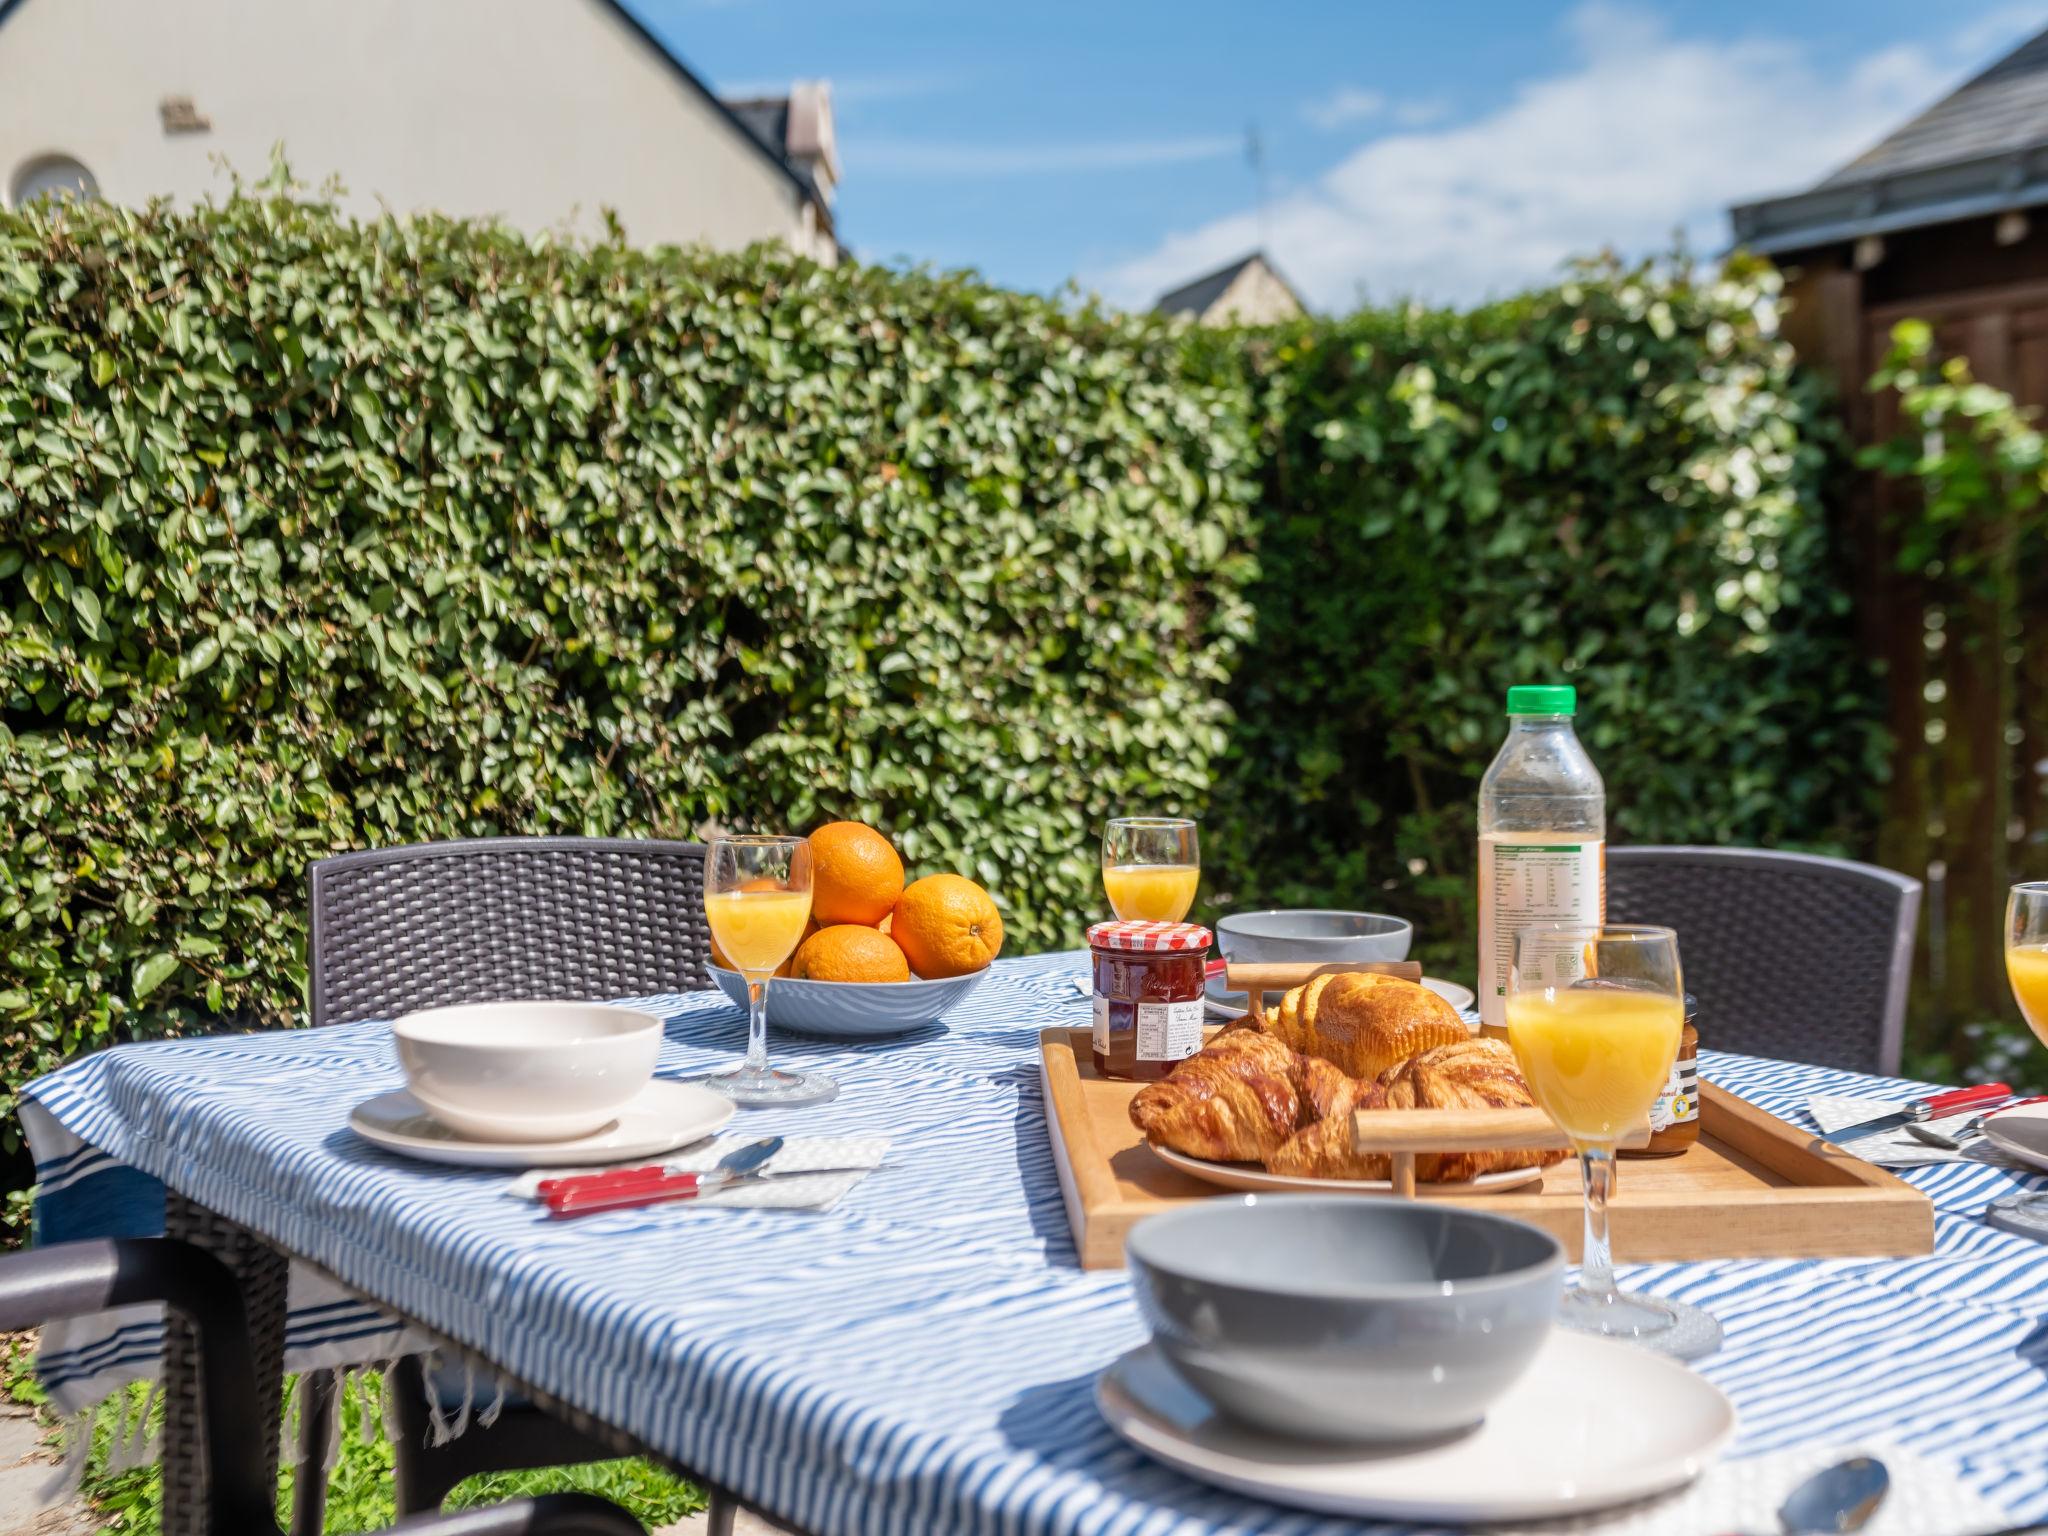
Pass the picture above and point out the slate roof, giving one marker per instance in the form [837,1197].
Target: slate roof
[1982,149]
[2003,109]
[1196,297]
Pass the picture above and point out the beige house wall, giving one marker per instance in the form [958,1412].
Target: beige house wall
[540,111]
[1254,297]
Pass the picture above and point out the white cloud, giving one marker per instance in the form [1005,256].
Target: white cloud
[936,157]
[1642,134]
[1346,104]
[1997,30]
[1419,114]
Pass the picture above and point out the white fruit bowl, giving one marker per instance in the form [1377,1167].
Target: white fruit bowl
[853,1010]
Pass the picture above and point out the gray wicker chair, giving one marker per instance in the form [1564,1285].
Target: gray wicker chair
[1790,955]
[396,929]
[232,1491]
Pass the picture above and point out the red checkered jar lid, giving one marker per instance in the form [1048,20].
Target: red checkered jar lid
[1156,937]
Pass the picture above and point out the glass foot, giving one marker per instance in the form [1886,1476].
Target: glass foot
[1616,1315]
[768,1088]
[1674,1328]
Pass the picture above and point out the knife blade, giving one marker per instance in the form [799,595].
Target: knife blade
[1933,1107]
[601,1194]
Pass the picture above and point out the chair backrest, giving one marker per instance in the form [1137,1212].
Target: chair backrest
[1790,955]
[490,918]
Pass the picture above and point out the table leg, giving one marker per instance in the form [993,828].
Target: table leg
[263,1272]
[318,1405]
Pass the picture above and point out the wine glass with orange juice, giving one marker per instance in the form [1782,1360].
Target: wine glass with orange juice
[1595,1012]
[1151,866]
[757,898]
[2026,967]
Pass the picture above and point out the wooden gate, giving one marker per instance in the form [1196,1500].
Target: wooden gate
[1967,806]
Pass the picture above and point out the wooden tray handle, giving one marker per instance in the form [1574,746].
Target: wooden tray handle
[1404,1132]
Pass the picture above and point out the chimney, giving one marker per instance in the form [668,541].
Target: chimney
[808,139]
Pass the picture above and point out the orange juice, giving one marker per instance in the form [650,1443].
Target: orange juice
[756,930]
[2026,967]
[1595,1057]
[1158,893]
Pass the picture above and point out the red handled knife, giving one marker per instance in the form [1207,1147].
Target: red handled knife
[1936,1106]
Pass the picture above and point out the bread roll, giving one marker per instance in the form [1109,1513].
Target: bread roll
[1363,1023]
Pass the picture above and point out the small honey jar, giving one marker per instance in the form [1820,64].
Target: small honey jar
[1675,1117]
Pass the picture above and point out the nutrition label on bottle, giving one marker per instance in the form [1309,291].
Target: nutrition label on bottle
[1524,882]
[1169,1031]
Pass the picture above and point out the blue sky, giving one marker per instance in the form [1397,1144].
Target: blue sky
[1440,151]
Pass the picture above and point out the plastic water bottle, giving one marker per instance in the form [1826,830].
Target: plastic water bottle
[1542,837]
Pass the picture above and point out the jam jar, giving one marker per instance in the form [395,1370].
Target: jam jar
[1148,995]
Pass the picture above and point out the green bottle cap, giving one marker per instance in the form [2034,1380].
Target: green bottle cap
[1549,699]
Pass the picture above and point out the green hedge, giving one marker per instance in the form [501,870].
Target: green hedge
[317,535]
[1616,483]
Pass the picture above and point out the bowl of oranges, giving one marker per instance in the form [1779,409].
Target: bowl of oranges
[882,954]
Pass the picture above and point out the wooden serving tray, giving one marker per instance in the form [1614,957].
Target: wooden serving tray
[1753,1187]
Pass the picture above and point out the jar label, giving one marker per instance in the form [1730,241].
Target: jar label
[1101,1024]
[1168,1031]
[1680,1100]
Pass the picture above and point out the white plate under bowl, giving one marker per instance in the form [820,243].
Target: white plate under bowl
[1592,1424]
[1229,1005]
[1257,1181]
[2021,1134]
[853,1010]
[664,1116]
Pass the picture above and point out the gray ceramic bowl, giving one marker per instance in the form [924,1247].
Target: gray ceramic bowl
[1346,1319]
[1309,934]
[853,1010]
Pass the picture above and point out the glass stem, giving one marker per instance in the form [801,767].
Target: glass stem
[1596,1264]
[757,1027]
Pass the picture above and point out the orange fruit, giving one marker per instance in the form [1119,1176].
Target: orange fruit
[849,952]
[718,955]
[855,874]
[947,925]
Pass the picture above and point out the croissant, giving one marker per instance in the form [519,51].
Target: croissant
[1234,1101]
[1473,1074]
[1324,1150]
[1469,1074]
[1363,1023]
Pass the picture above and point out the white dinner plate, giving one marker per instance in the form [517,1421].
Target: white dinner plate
[1462,998]
[2021,1134]
[1592,1424]
[1247,1177]
[664,1116]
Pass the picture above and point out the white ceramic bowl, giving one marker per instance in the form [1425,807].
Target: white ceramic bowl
[538,1071]
[853,1010]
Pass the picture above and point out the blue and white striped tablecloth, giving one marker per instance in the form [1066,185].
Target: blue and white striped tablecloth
[922,1357]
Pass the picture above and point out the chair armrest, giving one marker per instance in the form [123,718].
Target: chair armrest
[553,1514]
[79,1279]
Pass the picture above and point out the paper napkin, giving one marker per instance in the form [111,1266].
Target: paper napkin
[817,1193]
[1927,1498]
[1897,1148]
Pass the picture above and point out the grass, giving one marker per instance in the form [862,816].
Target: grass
[359,1496]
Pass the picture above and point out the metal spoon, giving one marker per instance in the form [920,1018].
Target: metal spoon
[746,1159]
[1946,1141]
[1839,1498]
